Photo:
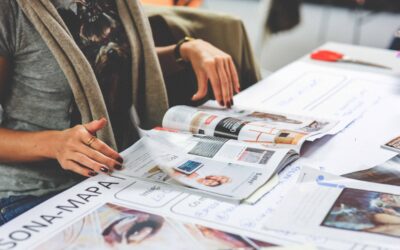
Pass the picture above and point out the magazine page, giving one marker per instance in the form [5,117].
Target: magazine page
[113,226]
[341,208]
[393,145]
[216,166]
[278,130]
[387,173]
[125,198]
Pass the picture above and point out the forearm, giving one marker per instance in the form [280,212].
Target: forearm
[20,146]
[166,55]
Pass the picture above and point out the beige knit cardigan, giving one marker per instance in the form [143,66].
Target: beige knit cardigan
[149,93]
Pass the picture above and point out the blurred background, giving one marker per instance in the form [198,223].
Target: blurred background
[283,30]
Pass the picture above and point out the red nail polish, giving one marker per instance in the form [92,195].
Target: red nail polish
[221,103]
[104,170]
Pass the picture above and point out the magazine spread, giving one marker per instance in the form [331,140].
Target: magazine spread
[268,128]
[220,167]
[229,153]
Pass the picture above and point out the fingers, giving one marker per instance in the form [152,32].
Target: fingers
[202,82]
[224,81]
[104,149]
[101,159]
[89,163]
[235,77]
[94,126]
[230,83]
[212,64]
[84,154]
[212,73]
[79,169]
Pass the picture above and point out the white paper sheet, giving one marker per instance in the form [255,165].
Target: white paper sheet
[364,102]
[336,207]
[310,89]
[67,210]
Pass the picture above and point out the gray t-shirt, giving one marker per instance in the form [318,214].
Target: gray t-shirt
[38,98]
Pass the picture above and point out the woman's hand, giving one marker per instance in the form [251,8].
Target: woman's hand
[77,150]
[210,63]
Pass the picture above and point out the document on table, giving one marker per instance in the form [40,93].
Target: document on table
[363,102]
[340,208]
[305,88]
[115,212]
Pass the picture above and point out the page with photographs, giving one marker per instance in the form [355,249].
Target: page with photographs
[393,145]
[116,227]
[387,173]
[217,166]
[341,208]
[58,217]
[272,129]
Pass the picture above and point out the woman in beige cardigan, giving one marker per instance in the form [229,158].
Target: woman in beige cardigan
[69,73]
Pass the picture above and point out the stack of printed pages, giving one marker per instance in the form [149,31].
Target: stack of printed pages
[231,154]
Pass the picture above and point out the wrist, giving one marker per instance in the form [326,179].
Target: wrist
[50,141]
[183,49]
[186,49]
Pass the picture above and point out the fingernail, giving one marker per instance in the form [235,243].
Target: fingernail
[232,102]
[104,170]
[118,167]
[228,105]
[92,173]
[120,159]
[221,103]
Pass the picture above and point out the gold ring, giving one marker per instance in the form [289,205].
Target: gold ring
[90,141]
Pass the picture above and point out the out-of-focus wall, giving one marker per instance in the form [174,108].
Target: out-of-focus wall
[319,25]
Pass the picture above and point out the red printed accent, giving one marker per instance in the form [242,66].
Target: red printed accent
[166,129]
[210,119]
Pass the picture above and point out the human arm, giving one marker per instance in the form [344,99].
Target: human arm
[69,147]
[209,64]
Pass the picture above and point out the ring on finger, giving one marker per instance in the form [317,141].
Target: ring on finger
[90,141]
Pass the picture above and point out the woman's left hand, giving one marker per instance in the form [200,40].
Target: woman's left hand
[211,64]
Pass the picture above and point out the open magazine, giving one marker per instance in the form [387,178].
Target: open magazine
[268,128]
[231,154]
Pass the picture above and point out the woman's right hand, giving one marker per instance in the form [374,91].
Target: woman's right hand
[73,152]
